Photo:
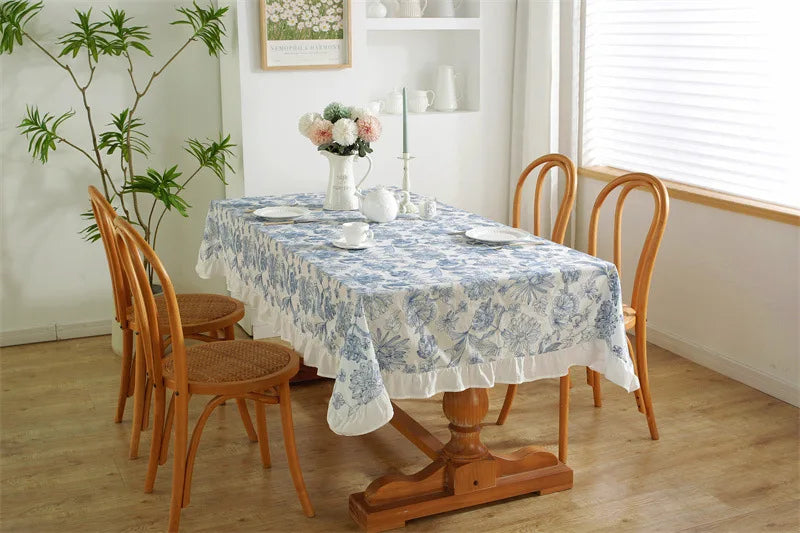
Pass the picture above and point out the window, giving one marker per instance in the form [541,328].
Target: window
[697,92]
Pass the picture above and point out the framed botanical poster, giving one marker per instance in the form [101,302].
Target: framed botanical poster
[305,34]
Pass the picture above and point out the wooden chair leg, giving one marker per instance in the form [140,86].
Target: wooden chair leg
[230,333]
[511,391]
[181,426]
[162,455]
[263,439]
[138,398]
[644,381]
[638,392]
[198,431]
[148,395]
[291,449]
[241,403]
[125,373]
[596,390]
[563,417]
[155,442]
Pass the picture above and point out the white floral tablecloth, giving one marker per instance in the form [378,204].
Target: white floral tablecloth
[424,311]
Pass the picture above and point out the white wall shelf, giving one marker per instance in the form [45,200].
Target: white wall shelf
[406,24]
[429,112]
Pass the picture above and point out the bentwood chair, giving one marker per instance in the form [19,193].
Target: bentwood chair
[203,317]
[635,314]
[547,162]
[230,369]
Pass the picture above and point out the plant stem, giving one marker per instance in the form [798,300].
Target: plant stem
[82,89]
[164,210]
[139,96]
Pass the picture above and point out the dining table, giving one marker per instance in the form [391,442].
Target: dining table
[425,310]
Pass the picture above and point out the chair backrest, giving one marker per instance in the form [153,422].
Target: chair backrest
[647,257]
[104,215]
[132,247]
[549,162]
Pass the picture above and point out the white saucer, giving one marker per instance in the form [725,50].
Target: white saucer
[283,212]
[341,243]
[497,235]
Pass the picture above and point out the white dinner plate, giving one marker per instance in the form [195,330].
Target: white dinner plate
[341,243]
[497,235]
[282,212]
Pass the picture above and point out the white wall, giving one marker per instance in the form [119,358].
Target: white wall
[726,288]
[462,158]
[49,278]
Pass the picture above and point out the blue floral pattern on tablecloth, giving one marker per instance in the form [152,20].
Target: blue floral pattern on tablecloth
[424,311]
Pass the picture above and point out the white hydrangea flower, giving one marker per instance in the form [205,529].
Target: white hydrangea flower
[345,132]
[357,113]
[305,122]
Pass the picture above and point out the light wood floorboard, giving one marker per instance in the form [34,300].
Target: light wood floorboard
[727,459]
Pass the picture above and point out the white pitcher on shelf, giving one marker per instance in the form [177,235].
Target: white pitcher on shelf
[446,94]
[411,8]
[443,8]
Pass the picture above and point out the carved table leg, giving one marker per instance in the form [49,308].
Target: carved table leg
[466,473]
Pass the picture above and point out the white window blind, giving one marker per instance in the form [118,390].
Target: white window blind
[698,92]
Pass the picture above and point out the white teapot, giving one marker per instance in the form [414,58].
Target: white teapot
[379,204]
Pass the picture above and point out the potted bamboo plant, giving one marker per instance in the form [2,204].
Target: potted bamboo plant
[118,145]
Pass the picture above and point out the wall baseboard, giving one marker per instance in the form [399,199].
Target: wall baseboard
[76,330]
[55,332]
[28,335]
[766,383]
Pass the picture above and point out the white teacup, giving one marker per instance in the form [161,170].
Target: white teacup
[375,107]
[356,233]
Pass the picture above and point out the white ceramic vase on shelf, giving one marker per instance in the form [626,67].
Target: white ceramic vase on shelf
[443,8]
[411,8]
[341,192]
[375,9]
[446,93]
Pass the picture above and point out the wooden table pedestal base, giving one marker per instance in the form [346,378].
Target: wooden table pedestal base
[463,472]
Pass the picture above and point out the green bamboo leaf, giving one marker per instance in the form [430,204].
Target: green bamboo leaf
[212,155]
[14,15]
[89,35]
[117,137]
[207,25]
[121,35]
[40,130]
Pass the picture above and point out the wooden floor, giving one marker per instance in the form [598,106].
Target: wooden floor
[727,459]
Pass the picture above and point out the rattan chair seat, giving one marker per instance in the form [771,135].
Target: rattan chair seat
[229,366]
[199,312]
[628,316]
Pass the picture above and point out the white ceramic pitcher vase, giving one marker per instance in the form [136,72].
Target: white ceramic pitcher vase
[341,192]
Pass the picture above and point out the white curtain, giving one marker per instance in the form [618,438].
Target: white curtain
[545,97]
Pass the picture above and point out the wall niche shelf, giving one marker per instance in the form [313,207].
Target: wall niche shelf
[414,24]
[407,52]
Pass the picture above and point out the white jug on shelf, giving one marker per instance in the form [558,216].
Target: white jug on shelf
[446,94]
[420,101]
[443,8]
[411,8]
[391,7]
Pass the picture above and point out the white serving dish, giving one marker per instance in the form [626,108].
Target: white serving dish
[497,235]
[282,212]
